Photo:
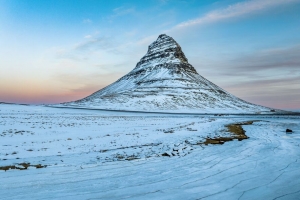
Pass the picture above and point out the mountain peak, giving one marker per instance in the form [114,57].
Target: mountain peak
[164,50]
[164,37]
[163,80]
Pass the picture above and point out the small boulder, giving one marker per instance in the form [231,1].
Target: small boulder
[166,154]
[288,130]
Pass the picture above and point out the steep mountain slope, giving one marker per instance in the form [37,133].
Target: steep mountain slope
[163,80]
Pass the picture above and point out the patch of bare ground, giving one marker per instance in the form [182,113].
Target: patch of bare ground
[21,166]
[236,130]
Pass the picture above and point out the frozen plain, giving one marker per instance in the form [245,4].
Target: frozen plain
[93,154]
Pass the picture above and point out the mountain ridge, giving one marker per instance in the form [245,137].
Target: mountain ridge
[163,80]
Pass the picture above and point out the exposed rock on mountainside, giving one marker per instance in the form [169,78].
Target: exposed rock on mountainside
[164,81]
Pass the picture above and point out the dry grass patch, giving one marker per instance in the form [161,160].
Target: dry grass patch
[237,133]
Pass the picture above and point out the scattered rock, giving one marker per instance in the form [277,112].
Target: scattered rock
[21,166]
[168,131]
[166,154]
[289,130]
[131,158]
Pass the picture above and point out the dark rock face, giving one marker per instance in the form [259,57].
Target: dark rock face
[165,50]
[163,80]
[163,47]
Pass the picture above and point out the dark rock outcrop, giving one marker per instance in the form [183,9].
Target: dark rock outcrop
[288,130]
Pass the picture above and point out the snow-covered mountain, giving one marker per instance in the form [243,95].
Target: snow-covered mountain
[164,81]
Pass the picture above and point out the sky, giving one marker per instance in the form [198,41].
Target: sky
[57,51]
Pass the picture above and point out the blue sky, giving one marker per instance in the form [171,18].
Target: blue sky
[55,51]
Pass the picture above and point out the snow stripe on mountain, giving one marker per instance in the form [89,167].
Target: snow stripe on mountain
[164,81]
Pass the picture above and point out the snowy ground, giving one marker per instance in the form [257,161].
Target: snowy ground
[93,154]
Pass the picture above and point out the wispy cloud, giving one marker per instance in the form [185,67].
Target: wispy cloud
[120,11]
[87,21]
[98,43]
[274,92]
[234,11]
[285,59]
[276,82]
[88,36]
[82,51]
[79,85]
[267,77]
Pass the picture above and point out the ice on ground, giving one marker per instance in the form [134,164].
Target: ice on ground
[93,154]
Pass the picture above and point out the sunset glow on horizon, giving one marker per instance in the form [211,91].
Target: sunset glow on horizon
[59,51]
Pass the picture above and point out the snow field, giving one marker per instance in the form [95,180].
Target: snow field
[118,155]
